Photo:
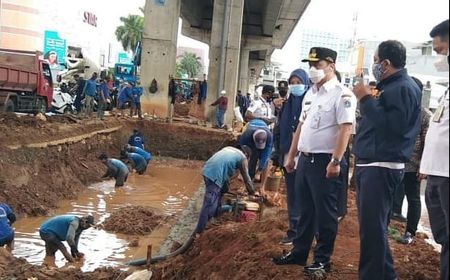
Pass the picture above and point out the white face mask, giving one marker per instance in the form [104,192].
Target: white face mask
[316,75]
[441,63]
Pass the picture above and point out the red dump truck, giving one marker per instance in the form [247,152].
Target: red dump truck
[26,83]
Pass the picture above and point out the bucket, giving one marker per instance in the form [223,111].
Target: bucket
[273,183]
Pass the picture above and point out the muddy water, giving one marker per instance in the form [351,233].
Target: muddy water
[167,189]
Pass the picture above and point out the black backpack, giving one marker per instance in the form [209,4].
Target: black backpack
[154,86]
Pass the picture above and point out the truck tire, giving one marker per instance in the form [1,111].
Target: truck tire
[41,106]
[9,106]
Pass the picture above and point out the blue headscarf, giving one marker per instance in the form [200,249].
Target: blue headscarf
[302,75]
[290,113]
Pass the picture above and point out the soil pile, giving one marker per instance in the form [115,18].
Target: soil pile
[135,220]
[244,251]
[20,269]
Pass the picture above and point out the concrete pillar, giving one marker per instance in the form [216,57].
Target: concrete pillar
[159,53]
[256,67]
[233,38]
[244,71]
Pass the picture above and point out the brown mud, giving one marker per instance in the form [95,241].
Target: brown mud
[134,220]
[230,250]
[20,269]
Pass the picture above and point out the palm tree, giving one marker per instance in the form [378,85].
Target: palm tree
[190,64]
[130,32]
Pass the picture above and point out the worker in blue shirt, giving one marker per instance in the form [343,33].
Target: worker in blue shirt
[64,228]
[90,92]
[136,93]
[125,96]
[146,155]
[384,143]
[7,218]
[137,139]
[116,169]
[218,172]
[137,162]
[258,137]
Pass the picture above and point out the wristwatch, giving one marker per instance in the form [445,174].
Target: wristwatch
[335,162]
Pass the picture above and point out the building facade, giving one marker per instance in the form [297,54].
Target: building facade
[21,25]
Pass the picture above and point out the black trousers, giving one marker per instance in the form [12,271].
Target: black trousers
[343,192]
[318,208]
[375,195]
[437,199]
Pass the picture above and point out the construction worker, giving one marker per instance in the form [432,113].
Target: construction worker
[146,155]
[7,218]
[218,172]
[137,162]
[259,139]
[137,139]
[64,228]
[116,169]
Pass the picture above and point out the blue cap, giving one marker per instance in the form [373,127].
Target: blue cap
[302,75]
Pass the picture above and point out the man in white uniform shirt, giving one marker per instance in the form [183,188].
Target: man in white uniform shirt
[326,124]
[435,159]
[261,108]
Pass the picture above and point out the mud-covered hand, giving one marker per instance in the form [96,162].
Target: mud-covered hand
[75,254]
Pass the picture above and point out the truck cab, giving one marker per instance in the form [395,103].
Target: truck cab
[26,83]
[125,72]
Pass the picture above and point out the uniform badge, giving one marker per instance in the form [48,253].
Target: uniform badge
[347,103]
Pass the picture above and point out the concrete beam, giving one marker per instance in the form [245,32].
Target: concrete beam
[290,14]
[271,14]
[198,34]
[159,52]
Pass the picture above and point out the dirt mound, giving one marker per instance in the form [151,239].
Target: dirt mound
[244,251]
[20,269]
[135,220]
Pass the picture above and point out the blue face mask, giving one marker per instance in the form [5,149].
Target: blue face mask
[377,71]
[297,90]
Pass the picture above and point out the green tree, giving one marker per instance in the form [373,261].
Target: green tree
[130,32]
[189,63]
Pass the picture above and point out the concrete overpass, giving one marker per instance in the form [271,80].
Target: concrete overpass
[242,35]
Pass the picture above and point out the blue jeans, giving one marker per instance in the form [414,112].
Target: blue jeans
[375,194]
[211,204]
[220,117]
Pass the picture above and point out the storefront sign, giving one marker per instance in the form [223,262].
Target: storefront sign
[90,19]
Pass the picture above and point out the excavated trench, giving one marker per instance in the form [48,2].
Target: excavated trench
[59,174]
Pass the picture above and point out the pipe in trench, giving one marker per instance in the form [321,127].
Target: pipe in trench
[180,251]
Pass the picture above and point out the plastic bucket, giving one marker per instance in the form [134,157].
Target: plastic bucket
[273,183]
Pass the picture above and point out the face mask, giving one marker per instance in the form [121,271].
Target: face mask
[441,64]
[297,90]
[283,93]
[316,75]
[377,71]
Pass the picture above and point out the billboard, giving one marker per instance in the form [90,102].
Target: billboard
[55,49]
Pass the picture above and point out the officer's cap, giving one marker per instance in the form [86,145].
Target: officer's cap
[318,54]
